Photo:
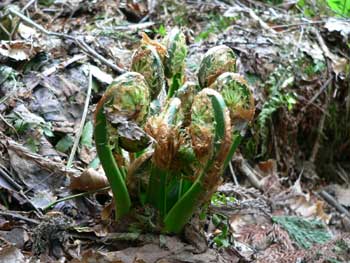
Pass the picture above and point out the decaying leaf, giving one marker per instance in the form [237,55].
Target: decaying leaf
[89,179]
[11,254]
[340,25]
[302,203]
[18,50]
[174,251]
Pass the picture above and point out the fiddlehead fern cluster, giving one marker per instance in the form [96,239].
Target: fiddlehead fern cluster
[176,155]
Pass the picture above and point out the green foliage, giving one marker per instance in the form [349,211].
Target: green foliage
[321,8]
[341,7]
[32,144]
[64,144]
[217,24]
[28,121]
[305,233]
[224,238]
[160,30]
[273,2]
[309,67]
[278,97]
[192,135]
[86,136]
[221,199]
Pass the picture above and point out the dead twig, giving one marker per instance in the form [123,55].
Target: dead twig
[77,40]
[332,58]
[9,125]
[246,170]
[257,19]
[82,122]
[317,143]
[330,200]
[7,176]
[299,24]
[63,65]
[28,5]
[234,177]
[324,86]
[15,215]
[70,197]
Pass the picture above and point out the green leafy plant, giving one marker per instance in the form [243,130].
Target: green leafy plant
[278,97]
[341,7]
[161,30]
[168,151]
[216,24]
[224,237]
[305,233]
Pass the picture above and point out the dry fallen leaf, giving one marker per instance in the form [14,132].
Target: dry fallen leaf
[11,254]
[268,167]
[89,179]
[303,204]
[18,50]
[340,25]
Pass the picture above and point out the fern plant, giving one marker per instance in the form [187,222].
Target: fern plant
[170,159]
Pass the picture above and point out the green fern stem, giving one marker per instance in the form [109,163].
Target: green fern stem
[185,207]
[113,173]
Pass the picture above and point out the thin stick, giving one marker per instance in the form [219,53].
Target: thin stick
[63,64]
[7,176]
[300,24]
[330,200]
[233,174]
[82,122]
[15,215]
[324,86]
[75,196]
[246,170]
[28,5]
[317,145]
[9,124]
[78,41]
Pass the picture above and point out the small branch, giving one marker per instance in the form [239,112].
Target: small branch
[15,215]
[78,41]
[28,5]
[70,197]
[330,200]
[299,24]
[82,122]
[9,125]
[9,179]
[245,169]
[256,18]
[234,177]
[316,146]
[323,46]
[63,64]
[324,86]
[260,21]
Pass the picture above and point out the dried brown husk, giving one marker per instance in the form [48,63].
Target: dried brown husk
[161,49]
[202,127]
[168,141]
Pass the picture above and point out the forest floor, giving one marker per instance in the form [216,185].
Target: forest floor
[286,196]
